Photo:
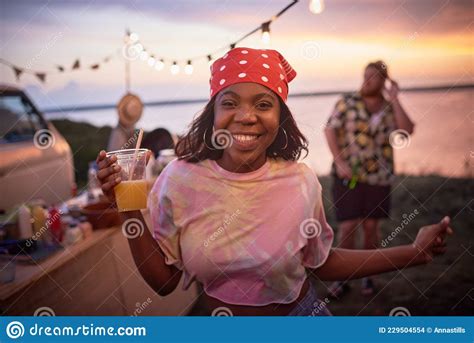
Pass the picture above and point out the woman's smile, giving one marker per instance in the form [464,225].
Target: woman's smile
[246,141]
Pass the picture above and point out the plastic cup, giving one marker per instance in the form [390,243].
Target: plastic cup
[131,193]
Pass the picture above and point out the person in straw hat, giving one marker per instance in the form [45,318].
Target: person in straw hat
[238,214]
[129,111]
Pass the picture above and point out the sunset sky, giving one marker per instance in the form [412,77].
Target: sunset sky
[423,43]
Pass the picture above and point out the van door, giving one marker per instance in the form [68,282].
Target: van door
[36,161]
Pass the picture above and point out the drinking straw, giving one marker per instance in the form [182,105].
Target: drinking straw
[135,155]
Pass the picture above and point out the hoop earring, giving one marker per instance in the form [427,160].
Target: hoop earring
[207,146]
[286,138]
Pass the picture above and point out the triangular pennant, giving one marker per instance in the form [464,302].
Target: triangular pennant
[18,72]
[60,68]
[76,64]
[95,66]
[41,76]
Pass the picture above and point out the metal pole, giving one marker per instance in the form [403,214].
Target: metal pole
[127,64]
[127,75]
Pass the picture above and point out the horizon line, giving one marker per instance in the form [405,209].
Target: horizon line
[202,100]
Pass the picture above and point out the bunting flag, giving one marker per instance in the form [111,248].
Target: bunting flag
[41,77]
[76,65]
[18,73]
[59,69]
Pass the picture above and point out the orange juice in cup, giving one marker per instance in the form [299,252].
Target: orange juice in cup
[131,193]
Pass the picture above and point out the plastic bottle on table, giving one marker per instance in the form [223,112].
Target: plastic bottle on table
[55,225]
[85,227]
[73,233]
[39,218]
[24,222]
[93,185]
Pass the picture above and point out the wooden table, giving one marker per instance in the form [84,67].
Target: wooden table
[96,276]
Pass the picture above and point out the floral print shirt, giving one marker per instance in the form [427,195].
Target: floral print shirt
[363,139]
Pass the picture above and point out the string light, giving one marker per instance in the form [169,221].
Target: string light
[133,46]
[144,55]
[316,6]
[151,61]
[174,68]
[188,69]
[133,37]
[159,65]
[266,33]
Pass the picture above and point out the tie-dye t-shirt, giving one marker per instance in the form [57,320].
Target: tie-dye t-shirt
[246,237]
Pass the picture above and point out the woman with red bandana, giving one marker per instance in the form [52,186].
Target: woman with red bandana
[238,214]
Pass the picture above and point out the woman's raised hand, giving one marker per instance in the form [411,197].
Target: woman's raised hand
[431,239]
[108,174]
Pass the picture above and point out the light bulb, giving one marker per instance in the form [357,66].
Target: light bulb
[174,68]
[138,47]
[151,61]
[133,37]
[188,69]
[159,65]
[144,55]
[266,33]
[266,38]
[316,6]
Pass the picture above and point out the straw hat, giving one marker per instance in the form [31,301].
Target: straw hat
[129,109]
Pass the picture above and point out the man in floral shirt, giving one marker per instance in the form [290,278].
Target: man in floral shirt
[359,134]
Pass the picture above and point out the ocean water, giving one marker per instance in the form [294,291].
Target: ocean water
[441,144]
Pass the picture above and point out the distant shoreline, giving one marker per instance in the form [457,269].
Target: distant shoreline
[438,88]
[86,140]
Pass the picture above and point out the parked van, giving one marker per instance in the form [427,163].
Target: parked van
[35,160]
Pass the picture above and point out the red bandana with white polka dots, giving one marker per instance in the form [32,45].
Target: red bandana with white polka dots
[266,67]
